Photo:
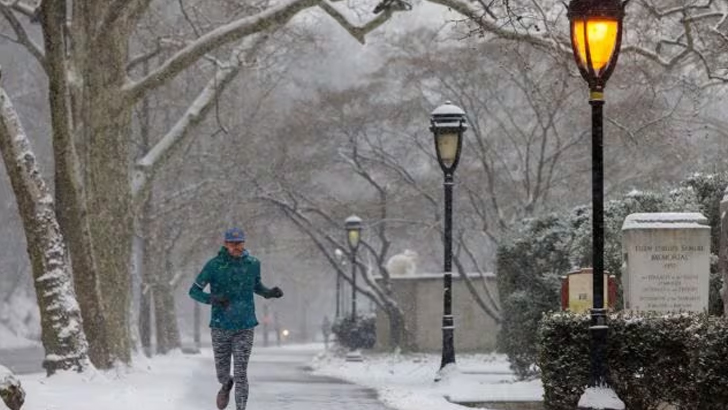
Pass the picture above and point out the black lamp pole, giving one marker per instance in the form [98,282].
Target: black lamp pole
[448,321]
[338,294]
[598,313]
[447,123]
[596,36]
[353,231]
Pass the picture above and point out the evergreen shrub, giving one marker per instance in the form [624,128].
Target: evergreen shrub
[653,359]
[538,251]
[355,332]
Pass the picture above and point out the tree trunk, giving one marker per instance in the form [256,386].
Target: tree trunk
[399,334]
[70,195]
[723,251]
[165,318]
[145,319]
[62,333]
[197,323]
[106,138]
[168,337]
[159,318]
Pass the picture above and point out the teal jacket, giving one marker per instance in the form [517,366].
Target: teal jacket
[237,279]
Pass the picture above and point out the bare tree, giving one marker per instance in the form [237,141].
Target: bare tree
[86,57]
[63,337]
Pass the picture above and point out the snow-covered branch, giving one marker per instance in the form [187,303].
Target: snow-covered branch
[275,16]
[359,33]
[63,337]
[195,114]
[497,27]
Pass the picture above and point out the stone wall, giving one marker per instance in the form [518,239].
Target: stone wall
[420,296]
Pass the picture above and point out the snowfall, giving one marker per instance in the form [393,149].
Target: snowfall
[302,377]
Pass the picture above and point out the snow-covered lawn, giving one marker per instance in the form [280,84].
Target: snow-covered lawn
[186,382]
[161,383]
[406,382]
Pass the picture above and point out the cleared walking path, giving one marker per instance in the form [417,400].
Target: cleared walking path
[278,381]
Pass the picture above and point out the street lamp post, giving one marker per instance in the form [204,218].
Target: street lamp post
[353,232]
[596,37]
[447,123]
[338,294]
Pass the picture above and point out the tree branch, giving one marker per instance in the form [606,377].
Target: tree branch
[22,8]
[22,36]
[359,33]
[274,16]
[194,115]
[112,14]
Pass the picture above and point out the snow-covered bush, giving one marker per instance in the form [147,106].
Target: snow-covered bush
[529,266]
[355,333]
[11,392]
[530,262]
[651,359]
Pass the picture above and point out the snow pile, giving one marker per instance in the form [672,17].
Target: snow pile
[162,383]
[407,382]
[600,398]
[403,264]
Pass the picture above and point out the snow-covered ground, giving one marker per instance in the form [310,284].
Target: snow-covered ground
[187,382]
[406,382]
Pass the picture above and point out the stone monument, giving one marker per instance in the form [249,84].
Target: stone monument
[667,262]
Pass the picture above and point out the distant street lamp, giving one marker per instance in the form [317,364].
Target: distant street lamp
[448,124]
[596,37]
[340,255]
[353,232]
[338,294]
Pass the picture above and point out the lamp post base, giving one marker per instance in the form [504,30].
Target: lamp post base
[354,356]
[447,372]
[600,398]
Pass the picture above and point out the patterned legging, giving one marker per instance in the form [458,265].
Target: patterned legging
[238,344]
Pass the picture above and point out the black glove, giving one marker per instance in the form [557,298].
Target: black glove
[220,301]
[276,292]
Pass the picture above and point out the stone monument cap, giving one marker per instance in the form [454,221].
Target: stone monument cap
[669,220]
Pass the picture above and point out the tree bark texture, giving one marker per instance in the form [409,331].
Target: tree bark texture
[165,311]
[70,196]
[62,333]
[723,251]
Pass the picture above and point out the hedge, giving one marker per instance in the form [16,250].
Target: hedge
[652,359]
[355,332]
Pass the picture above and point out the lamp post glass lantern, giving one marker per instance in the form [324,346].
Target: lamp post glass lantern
[353,234]
[596,36]
[448,123]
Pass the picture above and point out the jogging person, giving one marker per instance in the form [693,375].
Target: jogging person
[233,276]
